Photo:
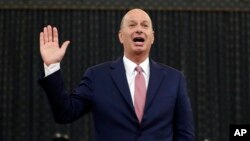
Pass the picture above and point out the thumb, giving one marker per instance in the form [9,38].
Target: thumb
[65,45]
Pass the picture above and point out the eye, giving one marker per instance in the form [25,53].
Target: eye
[145,25]
[131,25]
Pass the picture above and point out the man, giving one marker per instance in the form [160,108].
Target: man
[131,99]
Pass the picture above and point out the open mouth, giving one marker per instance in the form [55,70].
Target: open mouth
[138,39]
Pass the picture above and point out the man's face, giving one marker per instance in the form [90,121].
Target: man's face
[136,33]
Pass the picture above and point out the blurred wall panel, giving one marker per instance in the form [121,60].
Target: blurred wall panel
[210,47]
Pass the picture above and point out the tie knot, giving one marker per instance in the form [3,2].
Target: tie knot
[138,69]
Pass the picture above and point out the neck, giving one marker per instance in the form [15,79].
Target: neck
[138,59]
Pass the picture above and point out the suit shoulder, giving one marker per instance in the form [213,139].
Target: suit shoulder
[169,69]
[101,66]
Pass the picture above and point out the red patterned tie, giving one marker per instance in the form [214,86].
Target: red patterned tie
[140,93]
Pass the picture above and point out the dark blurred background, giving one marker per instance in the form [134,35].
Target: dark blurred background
[208,40]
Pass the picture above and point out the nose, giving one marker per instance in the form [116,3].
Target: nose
[139,30]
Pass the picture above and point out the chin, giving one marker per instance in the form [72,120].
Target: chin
[139,51]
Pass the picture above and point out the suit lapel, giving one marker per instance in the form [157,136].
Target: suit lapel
[118,75]
[155,79]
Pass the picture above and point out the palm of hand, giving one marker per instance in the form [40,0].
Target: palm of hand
[50,50]
[51,53]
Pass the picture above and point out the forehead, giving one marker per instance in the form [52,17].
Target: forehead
[137,15]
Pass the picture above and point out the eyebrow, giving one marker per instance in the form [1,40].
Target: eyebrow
[135,21]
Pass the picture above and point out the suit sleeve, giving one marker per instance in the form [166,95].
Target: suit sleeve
[183,120]
[68,107]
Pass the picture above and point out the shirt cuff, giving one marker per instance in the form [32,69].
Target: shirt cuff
[51,68]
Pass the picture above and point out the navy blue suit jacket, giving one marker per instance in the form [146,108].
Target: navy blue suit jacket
[104,91]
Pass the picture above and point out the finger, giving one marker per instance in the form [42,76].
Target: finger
[65,46]
[45,35]
[49,33]
[41,39]
[55,35]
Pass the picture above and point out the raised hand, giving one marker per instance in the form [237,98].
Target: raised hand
[50,50]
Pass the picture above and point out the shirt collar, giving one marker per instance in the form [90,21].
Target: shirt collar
[130,66]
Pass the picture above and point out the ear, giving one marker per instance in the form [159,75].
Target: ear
[120,37]
[153,37]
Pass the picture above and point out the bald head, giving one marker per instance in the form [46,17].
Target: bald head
[134,13]
[136,35]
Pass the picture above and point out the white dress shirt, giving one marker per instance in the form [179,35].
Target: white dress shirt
[129,69]
[131,73]
[51,68]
